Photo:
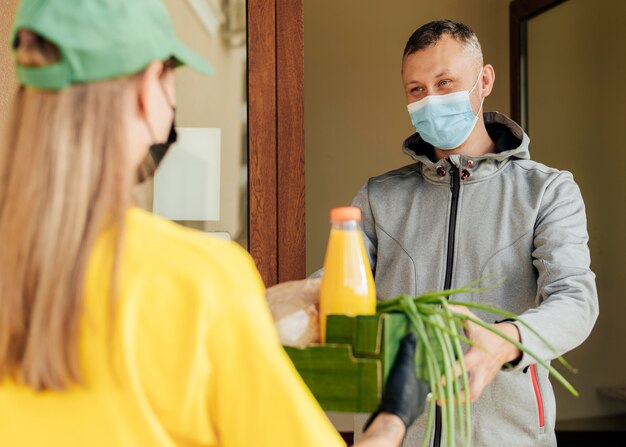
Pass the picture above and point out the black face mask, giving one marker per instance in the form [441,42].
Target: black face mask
[157,152]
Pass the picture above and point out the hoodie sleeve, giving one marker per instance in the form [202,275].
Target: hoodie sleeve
[566,288]
[368,224]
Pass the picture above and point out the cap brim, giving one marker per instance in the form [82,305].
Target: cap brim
[186,56]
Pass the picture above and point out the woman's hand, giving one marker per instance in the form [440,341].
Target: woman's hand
[386,430]
[403,400]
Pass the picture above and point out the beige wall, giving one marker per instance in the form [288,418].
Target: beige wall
[355,111]
[216,101]
[577,64]
[7,76]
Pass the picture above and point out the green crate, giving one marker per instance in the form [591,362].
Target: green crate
[348,372]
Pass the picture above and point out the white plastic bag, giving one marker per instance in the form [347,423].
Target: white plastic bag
[295,308]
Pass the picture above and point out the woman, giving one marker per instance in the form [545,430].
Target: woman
[118,328]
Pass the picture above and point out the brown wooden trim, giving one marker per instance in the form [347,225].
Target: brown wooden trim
[514,59]
[526,9]
[290,125]
[262,227]
[519,12]
[276,138]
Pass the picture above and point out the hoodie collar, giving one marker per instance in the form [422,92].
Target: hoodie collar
[511,143]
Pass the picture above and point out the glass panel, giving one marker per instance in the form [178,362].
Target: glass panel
[203,181]
[576,97]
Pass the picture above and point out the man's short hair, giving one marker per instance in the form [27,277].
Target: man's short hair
[429,34]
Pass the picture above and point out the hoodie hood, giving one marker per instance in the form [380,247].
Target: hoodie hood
[510,139]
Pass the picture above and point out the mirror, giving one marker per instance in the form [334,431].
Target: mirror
[202,181]
[355,121]
[574,95]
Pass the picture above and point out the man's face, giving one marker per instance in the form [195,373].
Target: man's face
[445,67]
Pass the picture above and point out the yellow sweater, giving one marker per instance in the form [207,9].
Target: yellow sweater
[193,358]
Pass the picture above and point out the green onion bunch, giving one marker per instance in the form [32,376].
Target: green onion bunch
[441,338]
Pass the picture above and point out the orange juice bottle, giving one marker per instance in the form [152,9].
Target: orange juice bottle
[347,283]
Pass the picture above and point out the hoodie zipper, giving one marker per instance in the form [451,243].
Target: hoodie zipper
[455,186]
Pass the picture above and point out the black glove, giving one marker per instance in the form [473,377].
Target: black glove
[405,394]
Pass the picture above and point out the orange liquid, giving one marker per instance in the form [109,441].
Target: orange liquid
[347,284]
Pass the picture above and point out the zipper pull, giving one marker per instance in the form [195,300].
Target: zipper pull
[454,179]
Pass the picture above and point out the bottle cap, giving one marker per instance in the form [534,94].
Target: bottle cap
[343,213]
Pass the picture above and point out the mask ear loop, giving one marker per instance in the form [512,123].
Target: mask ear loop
[169,103]
[476,82]
[472,89]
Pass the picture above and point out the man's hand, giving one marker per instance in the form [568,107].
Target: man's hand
[488,353]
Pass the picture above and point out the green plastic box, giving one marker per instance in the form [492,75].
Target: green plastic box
[348,372]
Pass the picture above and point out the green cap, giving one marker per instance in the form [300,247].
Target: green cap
[100,39]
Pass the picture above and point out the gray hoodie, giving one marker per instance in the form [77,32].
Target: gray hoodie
[434,225]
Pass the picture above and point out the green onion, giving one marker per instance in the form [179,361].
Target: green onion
[440,333]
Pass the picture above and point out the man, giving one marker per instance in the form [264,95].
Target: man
[473,205]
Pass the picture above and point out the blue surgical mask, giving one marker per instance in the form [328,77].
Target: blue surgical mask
[445,121]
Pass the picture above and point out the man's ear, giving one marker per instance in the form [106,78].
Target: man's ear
[147,88]
[488,80]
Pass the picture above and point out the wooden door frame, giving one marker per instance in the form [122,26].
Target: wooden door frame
[520,11]
[276,225]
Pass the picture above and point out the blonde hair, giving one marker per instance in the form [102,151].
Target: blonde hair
[64,176]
